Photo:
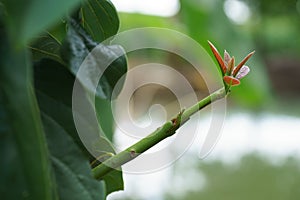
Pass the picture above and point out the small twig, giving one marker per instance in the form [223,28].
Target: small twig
[166,130]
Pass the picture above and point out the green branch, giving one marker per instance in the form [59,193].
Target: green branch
[165,131]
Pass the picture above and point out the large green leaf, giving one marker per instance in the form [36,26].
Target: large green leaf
[54,84]
[113,181]
[48,44]
[105,116]
[23,121]
[29,18]
[76,48]
[100,19]
[12,182]
[108,60]
[72,170]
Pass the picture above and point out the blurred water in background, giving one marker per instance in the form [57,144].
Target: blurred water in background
[274,138]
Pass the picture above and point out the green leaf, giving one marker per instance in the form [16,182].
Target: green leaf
[29,18]
[23,121]
[72,170]
[12,182]
[48,44]
[108,60]
[54,85]
[113,181]
[105,116]
[100,19]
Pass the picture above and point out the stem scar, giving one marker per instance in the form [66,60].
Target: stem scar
[132,153]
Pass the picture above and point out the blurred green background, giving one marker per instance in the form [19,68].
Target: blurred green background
[267,101]
[271,28]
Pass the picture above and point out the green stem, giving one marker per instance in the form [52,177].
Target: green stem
[166,130]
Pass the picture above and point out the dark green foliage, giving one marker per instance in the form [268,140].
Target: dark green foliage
[42,155]
[56,104]
[48,44]
[21,115]
[26,19]
[12,176]
[72,170]
[100,19]
[108,60]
